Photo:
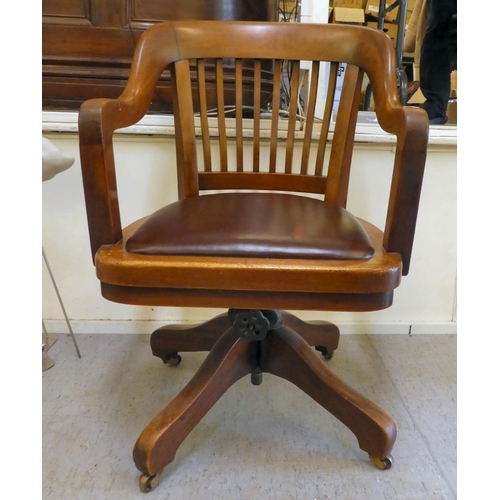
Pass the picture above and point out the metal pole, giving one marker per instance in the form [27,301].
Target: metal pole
[61,302]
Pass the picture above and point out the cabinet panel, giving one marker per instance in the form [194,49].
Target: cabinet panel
[153,10]
[87,45]
[74,12]
[65,8]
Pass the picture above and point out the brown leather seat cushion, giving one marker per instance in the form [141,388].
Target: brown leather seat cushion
[252,225]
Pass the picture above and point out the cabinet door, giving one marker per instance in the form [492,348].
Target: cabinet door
[87,45]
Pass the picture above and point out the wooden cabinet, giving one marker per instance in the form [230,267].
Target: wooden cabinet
[87,45]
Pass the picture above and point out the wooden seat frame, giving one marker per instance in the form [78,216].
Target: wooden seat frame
[255,336]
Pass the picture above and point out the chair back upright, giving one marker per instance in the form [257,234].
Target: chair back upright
[227,145]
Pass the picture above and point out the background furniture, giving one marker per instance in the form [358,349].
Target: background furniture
[54,161]
[87,45]
[266,237]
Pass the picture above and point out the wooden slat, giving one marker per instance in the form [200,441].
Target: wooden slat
[262,180]
[292,116]
[187,167]
[256,115]
[327,117]
[339,166]
[202,91]
[275,115]
[313,94]
[239,114]
[221,115]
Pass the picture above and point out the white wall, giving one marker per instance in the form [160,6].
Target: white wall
[314,11]
[425,300]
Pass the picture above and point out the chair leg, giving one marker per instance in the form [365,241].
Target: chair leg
[169,340]
[257,342]
[324,336]
[228,361]
[290,357]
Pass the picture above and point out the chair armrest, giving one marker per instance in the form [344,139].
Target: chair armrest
[411,126]
[95,129]
[97,121]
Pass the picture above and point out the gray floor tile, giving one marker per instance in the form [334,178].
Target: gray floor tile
[267,442]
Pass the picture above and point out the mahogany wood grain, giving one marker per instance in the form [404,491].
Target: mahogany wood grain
[339,166]
[311,107]
[288,356]
[256,105]
[261,180]
[255,281]
[292,118]
[365,48]
[242,299]
[327,118]
[226,363]
[84,41]
[170,340]
[275,116]
[379,274]
[202,95]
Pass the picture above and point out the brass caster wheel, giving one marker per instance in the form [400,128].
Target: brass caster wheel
[172,359]
[382,463]
[148,483]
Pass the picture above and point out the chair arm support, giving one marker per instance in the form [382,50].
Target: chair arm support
[99,118]
[98,172]
[411,150]
[411,127]
[97,121]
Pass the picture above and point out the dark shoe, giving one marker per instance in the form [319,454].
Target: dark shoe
[438,120]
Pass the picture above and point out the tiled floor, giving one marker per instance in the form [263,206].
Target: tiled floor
[267,442]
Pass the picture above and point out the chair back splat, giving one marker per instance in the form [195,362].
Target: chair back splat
[326,171]
[260,224]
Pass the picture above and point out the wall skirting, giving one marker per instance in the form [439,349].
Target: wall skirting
[146,327]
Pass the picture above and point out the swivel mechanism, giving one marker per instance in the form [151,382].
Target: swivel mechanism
[259,341]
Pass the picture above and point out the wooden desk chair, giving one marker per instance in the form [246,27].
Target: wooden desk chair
[262,237]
